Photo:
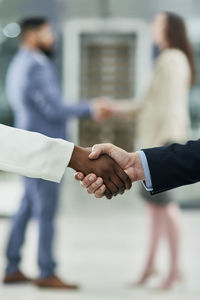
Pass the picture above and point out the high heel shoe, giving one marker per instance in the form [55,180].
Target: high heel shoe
[171,280]
[146,275]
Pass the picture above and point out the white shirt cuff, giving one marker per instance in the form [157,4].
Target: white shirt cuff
[147,182]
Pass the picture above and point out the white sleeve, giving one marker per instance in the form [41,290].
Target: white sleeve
[33,154]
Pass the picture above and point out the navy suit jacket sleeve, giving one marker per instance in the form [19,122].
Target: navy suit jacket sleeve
[174,165]
[46,96]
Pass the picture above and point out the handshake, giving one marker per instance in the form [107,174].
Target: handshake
[104,108]
[106,170]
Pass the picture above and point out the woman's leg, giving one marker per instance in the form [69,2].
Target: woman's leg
[171,218]
[156,215]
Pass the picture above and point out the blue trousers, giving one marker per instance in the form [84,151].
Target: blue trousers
[40,200]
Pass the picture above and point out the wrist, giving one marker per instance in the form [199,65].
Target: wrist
[136,165]
[75,158]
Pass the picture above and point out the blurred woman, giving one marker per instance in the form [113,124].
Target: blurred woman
[162,118]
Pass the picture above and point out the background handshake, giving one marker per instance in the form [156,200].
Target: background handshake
[105,108]
[106,169]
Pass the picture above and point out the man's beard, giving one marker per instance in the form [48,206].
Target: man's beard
[50,53]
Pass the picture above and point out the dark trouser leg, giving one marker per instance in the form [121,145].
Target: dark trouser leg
[18,228]
[46,211]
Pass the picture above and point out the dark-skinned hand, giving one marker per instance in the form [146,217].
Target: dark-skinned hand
[114,178]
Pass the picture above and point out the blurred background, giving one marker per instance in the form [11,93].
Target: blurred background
[103,48]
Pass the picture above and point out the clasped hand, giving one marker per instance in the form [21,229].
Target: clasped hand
[107,170]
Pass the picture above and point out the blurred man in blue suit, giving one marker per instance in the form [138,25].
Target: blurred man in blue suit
[35,96]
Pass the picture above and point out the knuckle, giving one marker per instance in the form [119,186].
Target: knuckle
[108,144]
[107,194]
[97,195]
[116,190]
[121,186]
[93,187]
[86,180]
[96,146]
[82,184]
[89,191]
[121,191]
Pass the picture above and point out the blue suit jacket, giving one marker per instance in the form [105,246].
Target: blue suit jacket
[34,94]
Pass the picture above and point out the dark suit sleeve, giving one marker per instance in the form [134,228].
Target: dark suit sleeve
[174,165]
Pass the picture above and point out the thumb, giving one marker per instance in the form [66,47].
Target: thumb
[97,150]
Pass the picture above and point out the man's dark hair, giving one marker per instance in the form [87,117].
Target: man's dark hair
[32,23]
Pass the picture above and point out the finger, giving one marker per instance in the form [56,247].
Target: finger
[124,177]
[79,176]
[100,192]
[95,186]
[108,194]
[119,183]
[111,186]
[88,180]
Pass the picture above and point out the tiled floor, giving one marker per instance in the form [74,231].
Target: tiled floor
[102,245]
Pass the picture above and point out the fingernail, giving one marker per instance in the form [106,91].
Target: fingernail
[91,178]
[99,181]
[102,188]
[79,176]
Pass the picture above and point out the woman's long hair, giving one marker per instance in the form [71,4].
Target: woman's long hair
[177,37]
